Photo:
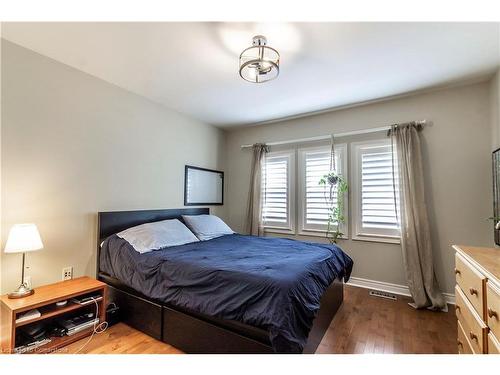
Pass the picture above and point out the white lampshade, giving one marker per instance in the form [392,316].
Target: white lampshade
[23,238]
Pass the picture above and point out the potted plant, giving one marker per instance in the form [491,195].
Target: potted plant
[337,186]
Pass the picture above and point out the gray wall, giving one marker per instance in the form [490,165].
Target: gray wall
[495,110]
[457,160]
[73,145]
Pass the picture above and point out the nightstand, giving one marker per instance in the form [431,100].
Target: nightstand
[44,300]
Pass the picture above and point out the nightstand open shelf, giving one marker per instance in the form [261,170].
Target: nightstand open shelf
[52,310]
[59,342]
[44,300]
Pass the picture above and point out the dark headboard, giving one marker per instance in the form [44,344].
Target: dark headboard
[109,223]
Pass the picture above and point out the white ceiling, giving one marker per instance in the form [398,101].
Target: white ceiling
[193,67]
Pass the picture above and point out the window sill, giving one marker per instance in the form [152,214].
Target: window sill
[279,230]
[319,233]
[381,239]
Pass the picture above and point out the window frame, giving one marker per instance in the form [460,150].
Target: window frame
[289,227]
[360,234]
[317,231]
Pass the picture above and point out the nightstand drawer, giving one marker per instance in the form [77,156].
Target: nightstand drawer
[475,329]
[463,343]
[493,344]
[472,284]
[493,308]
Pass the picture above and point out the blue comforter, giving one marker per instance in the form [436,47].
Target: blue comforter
[271,283]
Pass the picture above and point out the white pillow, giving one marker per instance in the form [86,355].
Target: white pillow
[207,227]
[153,236]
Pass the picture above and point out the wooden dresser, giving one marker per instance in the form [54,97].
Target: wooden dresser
[477,295]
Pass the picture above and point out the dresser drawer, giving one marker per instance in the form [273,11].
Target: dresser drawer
[493,344]
[473,326]
[472,283]
[493,308]
[463,343]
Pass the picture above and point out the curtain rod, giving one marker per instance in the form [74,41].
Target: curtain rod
[337,135]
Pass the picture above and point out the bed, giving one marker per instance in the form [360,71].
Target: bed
[232,294]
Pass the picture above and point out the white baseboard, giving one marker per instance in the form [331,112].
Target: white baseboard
[401,290]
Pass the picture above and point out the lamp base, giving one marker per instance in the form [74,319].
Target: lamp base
[22,291]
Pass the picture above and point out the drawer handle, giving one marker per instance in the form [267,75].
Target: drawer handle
[492,313]
[457,271]
[457,308]
[459,343]
[473,291]
[473,336]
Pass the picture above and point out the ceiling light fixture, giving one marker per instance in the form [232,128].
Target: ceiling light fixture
[259,63]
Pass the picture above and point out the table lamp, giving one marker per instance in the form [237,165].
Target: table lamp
[23,238]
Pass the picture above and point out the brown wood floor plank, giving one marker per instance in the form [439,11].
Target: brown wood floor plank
[364,324]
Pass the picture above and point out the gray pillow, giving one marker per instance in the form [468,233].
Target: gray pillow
[158,235]
[207,227]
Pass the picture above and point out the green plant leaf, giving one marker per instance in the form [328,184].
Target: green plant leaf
[336,216]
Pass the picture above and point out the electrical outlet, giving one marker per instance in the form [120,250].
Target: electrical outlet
[27,281]
[67,273]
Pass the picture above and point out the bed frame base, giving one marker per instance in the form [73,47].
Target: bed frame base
[196,333]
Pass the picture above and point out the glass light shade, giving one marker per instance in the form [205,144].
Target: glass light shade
[23,238]
[259,63]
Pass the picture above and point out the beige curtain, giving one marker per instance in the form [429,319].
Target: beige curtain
[412,211]
[254,210]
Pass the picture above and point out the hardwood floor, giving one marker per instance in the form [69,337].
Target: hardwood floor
[364,324]
[120,339]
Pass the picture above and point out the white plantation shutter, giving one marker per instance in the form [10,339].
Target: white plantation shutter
[314,164]
[317,164]
[276,189]
[375,199]
[377,194]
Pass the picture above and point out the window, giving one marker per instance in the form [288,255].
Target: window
[374,213]
[314,163]
[278,193]
[371,189]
